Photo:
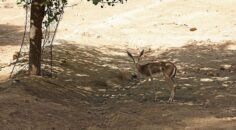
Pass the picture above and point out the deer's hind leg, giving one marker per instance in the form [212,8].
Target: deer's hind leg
[171,82]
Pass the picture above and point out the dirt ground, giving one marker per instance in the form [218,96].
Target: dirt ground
[92,89]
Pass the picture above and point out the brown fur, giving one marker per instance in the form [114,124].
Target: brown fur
[168,69]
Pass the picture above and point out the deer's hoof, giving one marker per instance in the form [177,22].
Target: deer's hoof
[170,100]
[155,100]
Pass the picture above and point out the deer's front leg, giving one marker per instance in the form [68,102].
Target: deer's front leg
[153,86]
[172,95]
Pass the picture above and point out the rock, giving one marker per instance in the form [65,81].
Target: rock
[222,68]
[184,88]
[192,29]
[219,96]
[210,73]
[206,80]
[225,67]
[63,62]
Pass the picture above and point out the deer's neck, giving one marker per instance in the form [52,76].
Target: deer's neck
[138,67]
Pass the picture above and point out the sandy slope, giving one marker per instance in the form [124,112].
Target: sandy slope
[143,23]
[151,23]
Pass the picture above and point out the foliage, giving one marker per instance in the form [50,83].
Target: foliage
[108,2]
[54,8]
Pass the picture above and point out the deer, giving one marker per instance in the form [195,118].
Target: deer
[168,69]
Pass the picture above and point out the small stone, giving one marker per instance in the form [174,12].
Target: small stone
[225,67]
[62,62]
[225,85]
[219,96]
[222,68]
[192,29]
[210,73]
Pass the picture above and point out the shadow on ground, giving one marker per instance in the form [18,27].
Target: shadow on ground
[10,34]
[93,89]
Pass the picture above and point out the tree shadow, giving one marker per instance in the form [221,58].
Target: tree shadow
[101,77]
[10,34]
[95,72]
[205,72]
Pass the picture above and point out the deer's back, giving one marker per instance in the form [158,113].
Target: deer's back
[158,67]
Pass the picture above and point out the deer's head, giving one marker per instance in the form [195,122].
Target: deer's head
[136,59]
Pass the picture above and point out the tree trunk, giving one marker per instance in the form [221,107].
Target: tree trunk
[36,19]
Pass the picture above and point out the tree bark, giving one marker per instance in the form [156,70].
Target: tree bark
[36,19]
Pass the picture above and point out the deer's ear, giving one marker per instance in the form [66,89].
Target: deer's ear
[129,54]
[141,53]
